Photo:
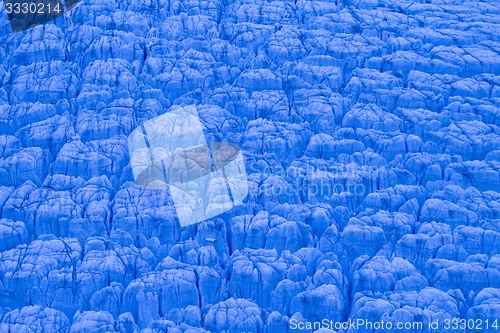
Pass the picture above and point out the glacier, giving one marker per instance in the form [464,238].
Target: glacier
[371,137]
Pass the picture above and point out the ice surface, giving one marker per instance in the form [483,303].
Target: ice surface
[370,133]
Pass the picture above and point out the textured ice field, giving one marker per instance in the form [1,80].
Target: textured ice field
[371,134]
